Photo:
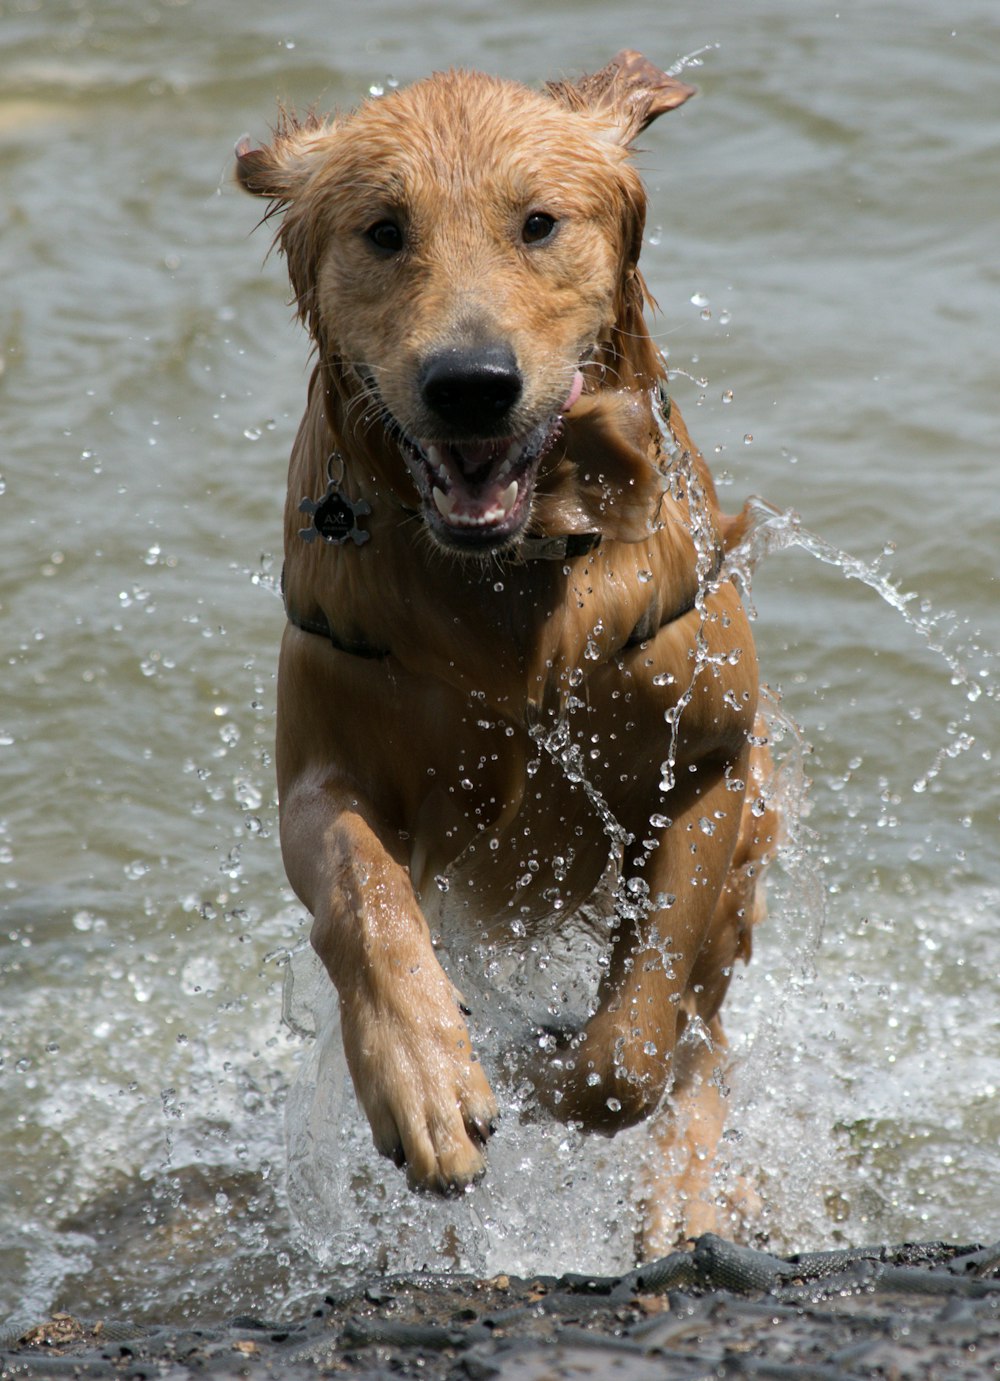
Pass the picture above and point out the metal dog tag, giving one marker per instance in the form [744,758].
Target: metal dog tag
[335,518]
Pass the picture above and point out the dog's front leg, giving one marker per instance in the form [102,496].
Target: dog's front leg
[407,1044]
[616,1071]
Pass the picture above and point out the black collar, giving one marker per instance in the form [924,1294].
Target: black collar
[557,548]
[530,549]
[320,625]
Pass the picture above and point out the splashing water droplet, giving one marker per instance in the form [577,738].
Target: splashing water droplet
[773,530]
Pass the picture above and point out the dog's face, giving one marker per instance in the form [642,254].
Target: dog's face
[463,251]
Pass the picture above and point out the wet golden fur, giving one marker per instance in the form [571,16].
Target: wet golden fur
[408,755]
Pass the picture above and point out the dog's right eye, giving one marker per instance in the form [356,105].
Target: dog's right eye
[386,235]
[539,226]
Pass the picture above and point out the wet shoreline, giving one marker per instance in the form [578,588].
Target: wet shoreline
[912,1311]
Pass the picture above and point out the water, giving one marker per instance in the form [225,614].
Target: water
[821,241]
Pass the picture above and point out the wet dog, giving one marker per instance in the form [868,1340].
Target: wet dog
[513,666]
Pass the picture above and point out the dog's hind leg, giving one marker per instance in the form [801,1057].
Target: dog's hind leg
[683,1196]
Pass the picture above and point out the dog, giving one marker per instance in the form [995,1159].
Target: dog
[514,664]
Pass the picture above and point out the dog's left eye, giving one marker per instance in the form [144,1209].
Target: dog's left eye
[538,226]
[386,235]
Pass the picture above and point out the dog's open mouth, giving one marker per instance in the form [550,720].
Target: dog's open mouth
[477,494]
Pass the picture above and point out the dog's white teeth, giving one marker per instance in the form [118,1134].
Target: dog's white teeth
[511,455]
[513,451]
[444,503]
[508,498]
[435,460]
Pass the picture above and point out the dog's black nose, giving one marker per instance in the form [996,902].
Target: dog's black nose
[471,390]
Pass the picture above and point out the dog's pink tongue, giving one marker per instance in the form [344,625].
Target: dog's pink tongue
[574,392]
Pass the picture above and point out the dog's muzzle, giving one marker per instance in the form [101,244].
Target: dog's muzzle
[476,477]
[477,494]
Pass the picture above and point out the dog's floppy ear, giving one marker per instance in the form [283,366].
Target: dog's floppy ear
[281,172]
[630,92]
[624,97]
[281,168]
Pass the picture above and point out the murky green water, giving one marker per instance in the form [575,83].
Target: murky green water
[822,241]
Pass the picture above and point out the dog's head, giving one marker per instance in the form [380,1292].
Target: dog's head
[465,253]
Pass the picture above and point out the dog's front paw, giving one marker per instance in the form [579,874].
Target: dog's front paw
[598,1077]
[429,1104]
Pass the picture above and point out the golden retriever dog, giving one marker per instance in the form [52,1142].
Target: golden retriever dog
[514,665]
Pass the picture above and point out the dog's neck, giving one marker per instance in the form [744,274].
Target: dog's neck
[337,520]
[612,499]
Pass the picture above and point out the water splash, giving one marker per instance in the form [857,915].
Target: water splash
[685,487]
[692,59]
[772,530]
[357,1216]
[568,757]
